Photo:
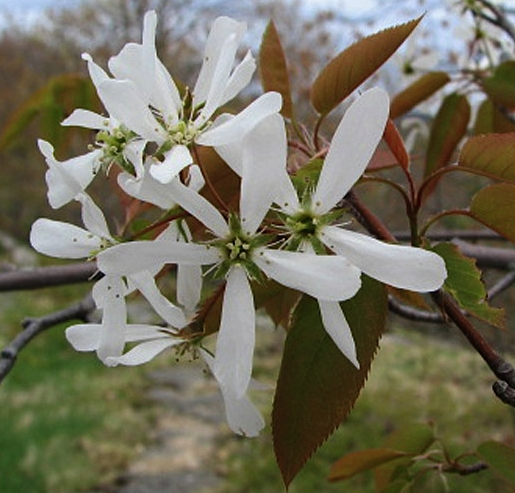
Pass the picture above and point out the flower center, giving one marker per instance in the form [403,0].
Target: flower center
[113,143]
[183,133]
[303,224]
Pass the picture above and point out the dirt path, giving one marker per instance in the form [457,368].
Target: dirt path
[181,456]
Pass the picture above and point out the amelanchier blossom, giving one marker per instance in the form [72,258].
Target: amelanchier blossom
[240,255]
[158,113]
[63,240]
[309,222]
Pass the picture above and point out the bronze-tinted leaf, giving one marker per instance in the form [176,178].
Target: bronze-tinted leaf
[395,143]
[492,154]
[353,66]
[418,91]
[273,68]
[317,385]
[448,128]
[364,460]
[494,206]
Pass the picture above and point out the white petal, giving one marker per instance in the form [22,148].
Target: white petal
[219,80]
[240,78]
[114,319]
[170,313]
[68,178]
[84,337]
[236,128]
[62,240]
[337,327]
[223,28]
[124,102]
[133,152]
[147,189]
[325,277]
[401,266]
[264,164]
[96,73]
[86,119]
[136,256]
[235,343]
[352,147]
[242,416]
[92,217]
[200,208]
[175,161]
[189,286]
[144,352]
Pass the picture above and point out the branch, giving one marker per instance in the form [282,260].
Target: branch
[504,388]
[415,314]
[34,326]
[43,277]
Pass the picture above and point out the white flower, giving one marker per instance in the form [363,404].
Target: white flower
[240,254]
[63,240]
[310,223]
[156,111]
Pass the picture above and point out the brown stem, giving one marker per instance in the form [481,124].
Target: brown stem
[43,277]
[505,387]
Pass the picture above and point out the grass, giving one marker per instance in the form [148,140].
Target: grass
[413,379]
[66,422]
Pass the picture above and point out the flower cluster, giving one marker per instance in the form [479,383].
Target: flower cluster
[276,231]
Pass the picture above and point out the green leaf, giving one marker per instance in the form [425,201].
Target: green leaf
[449,126]
[494,206]
[500,87]
[492,155]
[489,119]
[353,66]
[465,284]
[273,67]
[413,439]
[500,457]
[418,91]
[364,460]
[318,386]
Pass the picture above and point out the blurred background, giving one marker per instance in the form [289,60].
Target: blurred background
[69,425]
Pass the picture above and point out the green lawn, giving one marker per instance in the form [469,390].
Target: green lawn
[66,421]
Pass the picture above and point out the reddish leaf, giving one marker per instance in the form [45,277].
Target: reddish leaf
[413,439]
[500,87]
[449,126]
[500,457]
[492,154]
[395,143]
[419,91]
[274,71]
[494,206]
[364,460]
[317,385]
[354,65]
